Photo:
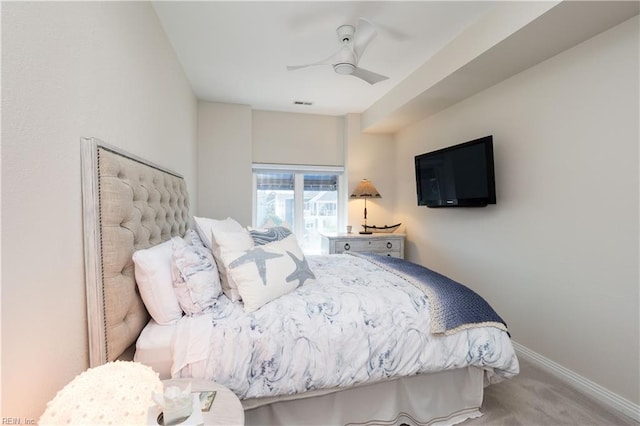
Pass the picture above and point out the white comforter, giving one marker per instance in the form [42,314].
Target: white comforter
[356,324]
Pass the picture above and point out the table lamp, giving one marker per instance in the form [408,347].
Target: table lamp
[365,189]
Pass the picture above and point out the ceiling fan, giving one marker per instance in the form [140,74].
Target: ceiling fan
[345,61]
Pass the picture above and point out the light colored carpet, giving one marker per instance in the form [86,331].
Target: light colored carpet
[537,398]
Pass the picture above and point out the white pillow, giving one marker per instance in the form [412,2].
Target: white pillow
[224,244]
[266,272]
[153,275]
[195,276]
[205,227]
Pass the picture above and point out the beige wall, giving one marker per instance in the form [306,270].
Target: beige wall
[289,138]
[71,70]
[232,137]
[370,156]
[224,161]
[558,255]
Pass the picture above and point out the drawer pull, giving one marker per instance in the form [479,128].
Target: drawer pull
[347,246]
[389,245]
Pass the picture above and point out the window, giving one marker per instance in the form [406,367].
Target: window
[309,200]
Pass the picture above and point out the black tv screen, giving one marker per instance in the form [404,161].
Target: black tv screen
[458,176]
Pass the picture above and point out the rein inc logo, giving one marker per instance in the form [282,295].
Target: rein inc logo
[17,421]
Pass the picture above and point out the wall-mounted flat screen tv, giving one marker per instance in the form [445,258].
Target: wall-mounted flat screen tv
[458,176]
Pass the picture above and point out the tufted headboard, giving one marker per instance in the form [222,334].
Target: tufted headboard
[128,204]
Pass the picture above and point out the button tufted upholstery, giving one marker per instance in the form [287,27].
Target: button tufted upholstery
[139,206]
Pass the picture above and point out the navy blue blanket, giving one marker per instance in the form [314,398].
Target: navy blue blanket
[453,306]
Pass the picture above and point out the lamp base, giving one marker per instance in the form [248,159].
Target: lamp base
[366,232]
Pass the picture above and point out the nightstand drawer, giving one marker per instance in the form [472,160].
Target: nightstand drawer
[389,244]
[375,246]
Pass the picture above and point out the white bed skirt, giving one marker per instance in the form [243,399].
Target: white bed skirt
[444,398]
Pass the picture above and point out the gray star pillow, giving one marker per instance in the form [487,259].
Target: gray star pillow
[266,272]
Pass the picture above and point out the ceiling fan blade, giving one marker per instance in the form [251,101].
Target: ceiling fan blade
[368,76]
[365,32]
[297,67]
[327,61]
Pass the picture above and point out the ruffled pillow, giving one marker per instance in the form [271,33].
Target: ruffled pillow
[195,277]
[193,238]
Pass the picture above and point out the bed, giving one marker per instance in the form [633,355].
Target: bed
[369,346]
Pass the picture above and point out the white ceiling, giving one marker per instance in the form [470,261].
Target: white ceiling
[237,52]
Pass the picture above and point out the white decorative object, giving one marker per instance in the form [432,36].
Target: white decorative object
[176,404]
[196,418]
[225,409]
[116,393]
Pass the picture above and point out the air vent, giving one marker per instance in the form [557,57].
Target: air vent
[302,103]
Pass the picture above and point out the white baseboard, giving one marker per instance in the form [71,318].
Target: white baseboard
[604,395]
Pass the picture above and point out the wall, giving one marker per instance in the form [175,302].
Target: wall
[289,138]
[224,161]
[558,255]
[232,137]
[69,70]
[370,156]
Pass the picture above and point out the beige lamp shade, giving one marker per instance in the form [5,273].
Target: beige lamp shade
[365,189]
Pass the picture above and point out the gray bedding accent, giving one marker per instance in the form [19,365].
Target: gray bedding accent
[265,236]
[128,204]
[453,306]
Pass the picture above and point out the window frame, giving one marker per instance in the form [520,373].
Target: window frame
[299,171]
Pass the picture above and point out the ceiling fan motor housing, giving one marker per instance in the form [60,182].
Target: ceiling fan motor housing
[345,33]
[344,68]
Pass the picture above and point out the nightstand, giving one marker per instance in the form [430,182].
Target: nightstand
[226,408]
[391,244]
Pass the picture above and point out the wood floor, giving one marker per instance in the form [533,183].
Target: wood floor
[537,398]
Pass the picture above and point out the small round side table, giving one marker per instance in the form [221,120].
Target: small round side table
[226,408]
